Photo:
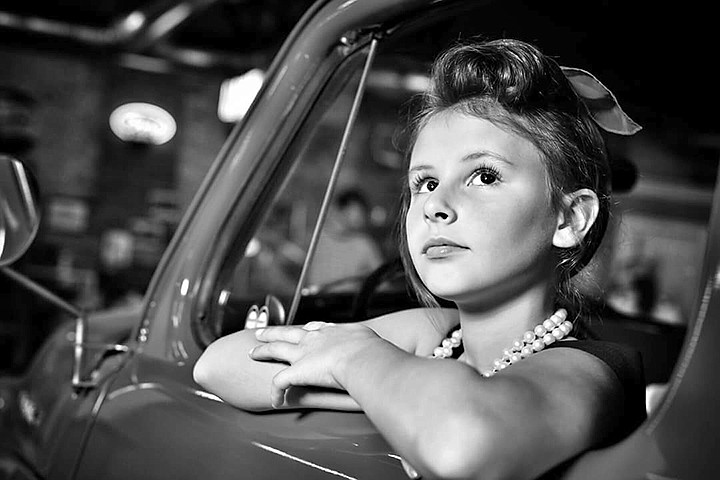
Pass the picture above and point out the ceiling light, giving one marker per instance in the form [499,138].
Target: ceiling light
[142,123]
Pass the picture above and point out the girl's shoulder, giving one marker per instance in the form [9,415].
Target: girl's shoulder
[417,330]
[625,362]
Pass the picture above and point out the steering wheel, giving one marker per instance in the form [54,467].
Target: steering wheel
[387,271]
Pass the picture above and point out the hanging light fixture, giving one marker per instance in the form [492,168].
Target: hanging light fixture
[140,122]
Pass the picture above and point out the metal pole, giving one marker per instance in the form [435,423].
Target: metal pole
[333,180]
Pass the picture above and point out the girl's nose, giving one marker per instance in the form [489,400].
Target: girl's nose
[438,208]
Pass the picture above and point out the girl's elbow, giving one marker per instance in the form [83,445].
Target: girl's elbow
[202,372]
[461,449]
[209,367]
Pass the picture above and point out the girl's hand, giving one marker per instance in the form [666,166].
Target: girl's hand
[316,354]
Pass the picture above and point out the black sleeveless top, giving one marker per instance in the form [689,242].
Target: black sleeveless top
[627,365]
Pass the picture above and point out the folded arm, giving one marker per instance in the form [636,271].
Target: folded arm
[226,369]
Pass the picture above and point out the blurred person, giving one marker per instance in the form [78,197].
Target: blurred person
[634,286]
[346,252]
[116,281]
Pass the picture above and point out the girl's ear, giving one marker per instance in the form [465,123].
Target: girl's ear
[580,209]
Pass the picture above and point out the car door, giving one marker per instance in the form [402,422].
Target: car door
[154,421]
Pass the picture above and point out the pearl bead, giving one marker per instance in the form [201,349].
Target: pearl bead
[553,328]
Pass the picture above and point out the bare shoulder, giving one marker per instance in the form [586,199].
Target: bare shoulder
[416,330]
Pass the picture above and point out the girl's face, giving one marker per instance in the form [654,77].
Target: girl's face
[480,223]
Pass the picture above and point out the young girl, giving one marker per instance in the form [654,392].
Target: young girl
[507,199]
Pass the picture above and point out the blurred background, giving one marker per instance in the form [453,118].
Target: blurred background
[120,106]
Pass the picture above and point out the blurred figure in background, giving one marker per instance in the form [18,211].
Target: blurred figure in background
[346,252]
[635,290]
[118,287]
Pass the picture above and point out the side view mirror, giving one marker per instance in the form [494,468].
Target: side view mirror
[19,209]
[19,223]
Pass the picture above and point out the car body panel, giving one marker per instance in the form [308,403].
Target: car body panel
[152,413]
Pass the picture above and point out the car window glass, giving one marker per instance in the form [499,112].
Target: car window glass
[350,245]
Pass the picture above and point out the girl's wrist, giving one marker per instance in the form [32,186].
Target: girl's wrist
[363,356]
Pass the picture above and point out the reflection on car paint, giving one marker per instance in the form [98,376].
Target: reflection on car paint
[300,460]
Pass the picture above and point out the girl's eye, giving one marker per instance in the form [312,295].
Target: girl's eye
[424,185]
[484,176]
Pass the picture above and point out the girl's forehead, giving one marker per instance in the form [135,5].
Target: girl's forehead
[456,135]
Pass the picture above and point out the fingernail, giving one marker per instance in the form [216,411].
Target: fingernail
[259,332]
[250,352]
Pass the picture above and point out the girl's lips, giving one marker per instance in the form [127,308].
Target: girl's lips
[442,251]
[441,247]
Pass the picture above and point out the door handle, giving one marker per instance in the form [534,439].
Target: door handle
[80,347]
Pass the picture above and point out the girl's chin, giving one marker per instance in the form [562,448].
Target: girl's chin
[450,294]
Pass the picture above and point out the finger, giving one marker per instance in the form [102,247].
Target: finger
[280,334]
[315,325]
[275,351]
[280,383]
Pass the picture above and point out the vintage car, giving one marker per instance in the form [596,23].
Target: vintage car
[111,394]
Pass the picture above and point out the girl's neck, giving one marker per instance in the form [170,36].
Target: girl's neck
[488,331]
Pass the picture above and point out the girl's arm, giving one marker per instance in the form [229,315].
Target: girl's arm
[450,422]
[226,370]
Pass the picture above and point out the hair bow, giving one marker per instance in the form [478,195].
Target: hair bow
[600,102]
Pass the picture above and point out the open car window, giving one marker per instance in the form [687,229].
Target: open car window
[645,280]
[357,237]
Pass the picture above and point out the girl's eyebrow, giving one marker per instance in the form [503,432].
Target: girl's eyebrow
[485,153]
[419,168]
[469,157]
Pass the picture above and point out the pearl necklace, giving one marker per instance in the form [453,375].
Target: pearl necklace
[552,329]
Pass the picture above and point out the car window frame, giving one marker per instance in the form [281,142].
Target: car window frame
[232,241]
